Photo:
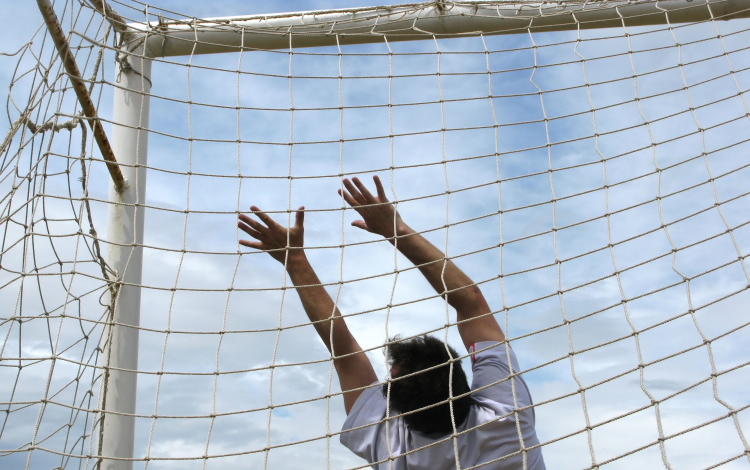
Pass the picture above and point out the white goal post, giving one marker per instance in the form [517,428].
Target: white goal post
[143,43]
[418,21]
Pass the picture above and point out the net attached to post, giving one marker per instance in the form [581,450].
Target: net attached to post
[593,182]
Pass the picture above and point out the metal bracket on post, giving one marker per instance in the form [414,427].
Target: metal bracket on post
[87,105]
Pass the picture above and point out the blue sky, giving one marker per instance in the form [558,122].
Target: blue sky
[531,277]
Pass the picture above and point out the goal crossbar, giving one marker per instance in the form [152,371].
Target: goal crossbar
[166,38]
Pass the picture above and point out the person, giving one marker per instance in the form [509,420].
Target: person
[424,416]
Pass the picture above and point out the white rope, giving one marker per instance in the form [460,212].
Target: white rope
[740,258]
[396,270]
[54,351]
[655,403]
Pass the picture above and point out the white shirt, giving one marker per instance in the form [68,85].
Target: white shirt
[492,410]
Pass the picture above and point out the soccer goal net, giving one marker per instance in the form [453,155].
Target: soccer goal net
[587,163]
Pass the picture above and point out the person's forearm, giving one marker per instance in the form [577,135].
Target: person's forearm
[354,370]
[285,245]
[430,260]
[475,320]
[315,300]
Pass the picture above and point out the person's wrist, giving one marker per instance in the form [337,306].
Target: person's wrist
[402,230]
[295,257]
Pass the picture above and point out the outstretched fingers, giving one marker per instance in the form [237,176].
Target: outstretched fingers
[255,245]
[355,194]
[379,187]
[248,223]
[264,217]
[299,217]
[369,198]
[250,231]
[348,198]
[255,229]
[361,224]
[271,237]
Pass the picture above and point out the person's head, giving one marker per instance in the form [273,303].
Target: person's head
[429,387]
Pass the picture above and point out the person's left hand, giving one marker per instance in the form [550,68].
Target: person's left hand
[272,237]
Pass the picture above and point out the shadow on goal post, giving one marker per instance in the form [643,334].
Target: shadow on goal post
[107,438]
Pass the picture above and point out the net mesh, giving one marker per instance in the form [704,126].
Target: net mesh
[593,183]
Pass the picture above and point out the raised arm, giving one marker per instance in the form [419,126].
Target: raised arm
[380,217]
[355,370]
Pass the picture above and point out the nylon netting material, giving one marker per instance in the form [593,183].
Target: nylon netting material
[592,182]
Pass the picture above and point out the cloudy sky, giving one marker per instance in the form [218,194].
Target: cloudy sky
[469,158]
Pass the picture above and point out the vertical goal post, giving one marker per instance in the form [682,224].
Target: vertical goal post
[143,43]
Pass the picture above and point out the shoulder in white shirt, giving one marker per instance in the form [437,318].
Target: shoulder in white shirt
[491,434]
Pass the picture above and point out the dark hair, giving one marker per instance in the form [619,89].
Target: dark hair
[429,387]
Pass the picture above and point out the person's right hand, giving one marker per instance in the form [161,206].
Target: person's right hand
[377,212]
